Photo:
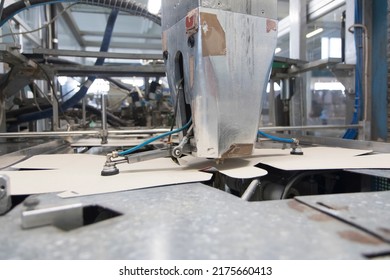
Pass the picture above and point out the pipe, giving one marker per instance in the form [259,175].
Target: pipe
[250,190]
[104,119]
[297,178]
[308,127]
[366,63]
[78,133]
[352,133]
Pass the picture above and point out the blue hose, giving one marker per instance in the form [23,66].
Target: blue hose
[84,89]
[158,137]
[275,138]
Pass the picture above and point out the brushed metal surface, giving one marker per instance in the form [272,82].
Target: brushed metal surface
[226,61]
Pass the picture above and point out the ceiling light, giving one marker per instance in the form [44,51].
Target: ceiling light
[314,33]
[278,50]
[154,6]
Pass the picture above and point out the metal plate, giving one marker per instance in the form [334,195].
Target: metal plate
[191,221]
[367,211]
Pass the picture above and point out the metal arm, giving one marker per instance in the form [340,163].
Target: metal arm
[113,159]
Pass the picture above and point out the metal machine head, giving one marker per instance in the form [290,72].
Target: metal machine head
[220,54]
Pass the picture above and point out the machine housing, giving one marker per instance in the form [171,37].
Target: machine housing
[218,56]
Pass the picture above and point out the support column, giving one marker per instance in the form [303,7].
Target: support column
[298,13]
[378,91]
[298,23]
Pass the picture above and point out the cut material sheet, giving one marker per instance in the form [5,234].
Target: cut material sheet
[79,174]
[323,158]
[10,160]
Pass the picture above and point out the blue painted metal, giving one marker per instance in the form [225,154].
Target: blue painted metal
[379,70]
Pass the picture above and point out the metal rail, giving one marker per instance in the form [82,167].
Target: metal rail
[155,131]
[96,133]
[309,127]
[73,53]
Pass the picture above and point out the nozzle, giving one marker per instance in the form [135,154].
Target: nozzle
[296,149]
[109,167]
[109,170]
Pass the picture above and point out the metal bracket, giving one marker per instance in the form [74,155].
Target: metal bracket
[114,158]
[5,198]
[65,217]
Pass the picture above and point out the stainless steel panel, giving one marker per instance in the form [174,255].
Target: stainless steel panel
[174,11]
[226,68]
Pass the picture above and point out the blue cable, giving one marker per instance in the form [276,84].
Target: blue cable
[158,137]
[275,138]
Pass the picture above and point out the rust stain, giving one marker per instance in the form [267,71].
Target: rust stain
[341,208]
[213,35]
[358,237]
[237,150]
[320,217]
[192,22]
[384,230]
[293,204]
[271,25]
[334,207]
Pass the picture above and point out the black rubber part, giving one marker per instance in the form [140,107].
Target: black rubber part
[296,153]
[114,171]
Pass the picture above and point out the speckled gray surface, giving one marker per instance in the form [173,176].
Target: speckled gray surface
[190,221]
[368,211]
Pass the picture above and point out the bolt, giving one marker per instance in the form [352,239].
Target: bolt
[177,152]
[31,202]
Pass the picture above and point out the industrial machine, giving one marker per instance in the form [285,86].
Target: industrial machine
[218,56]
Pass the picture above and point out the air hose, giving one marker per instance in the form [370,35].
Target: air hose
[153,139]
[277,139]
[128,6]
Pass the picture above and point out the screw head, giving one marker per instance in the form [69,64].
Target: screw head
[31,202]
[177,152]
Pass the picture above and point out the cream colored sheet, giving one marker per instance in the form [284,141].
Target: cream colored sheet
[324,158]
[79,174]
